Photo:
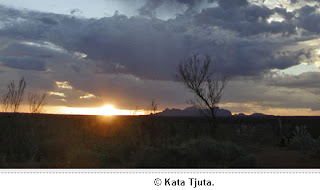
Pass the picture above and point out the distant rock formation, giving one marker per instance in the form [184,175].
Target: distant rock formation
[192,112]
[195,112]
[252,115]
[240,115]
[259,115]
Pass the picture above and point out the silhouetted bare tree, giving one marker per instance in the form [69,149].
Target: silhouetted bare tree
[194,72]
[153,107]
[36,102]
[13,98]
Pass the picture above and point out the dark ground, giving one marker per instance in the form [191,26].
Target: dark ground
[59,141]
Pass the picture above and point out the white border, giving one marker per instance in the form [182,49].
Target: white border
[161,171]
[146,179]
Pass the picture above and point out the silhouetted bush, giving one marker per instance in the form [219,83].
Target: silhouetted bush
[202,152]
[302,139]
[315,151]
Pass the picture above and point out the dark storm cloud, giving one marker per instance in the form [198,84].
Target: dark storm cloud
[151,48]
[47,20]
[310,22]
[130,45]
[307,17]
[24,63]
[229,4]
[253,58]
[309,80]
[150,7]
[306,10]
[25,25]
[288,16]
[246,21]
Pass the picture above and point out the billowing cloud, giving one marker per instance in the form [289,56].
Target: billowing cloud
[151,48]
[308,19]
[246,21]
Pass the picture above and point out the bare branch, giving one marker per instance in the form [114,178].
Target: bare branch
[153,107]
[36,102]
[207,86]
[13,98]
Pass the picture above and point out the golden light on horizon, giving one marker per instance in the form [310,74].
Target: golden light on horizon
[110,110]
[107,110]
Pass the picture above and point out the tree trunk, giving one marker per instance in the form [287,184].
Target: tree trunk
[212,123]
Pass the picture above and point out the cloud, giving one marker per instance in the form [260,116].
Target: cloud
[161,8]
[25,63]
[25,48]
[262,94]
[151,48]
[309,22]
[87,96]
[246,21]
[308,80]
[49,21]
[121,59]
[57,94]
[63,84]
[229,4]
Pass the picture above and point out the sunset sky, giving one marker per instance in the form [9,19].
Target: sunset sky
[124,53]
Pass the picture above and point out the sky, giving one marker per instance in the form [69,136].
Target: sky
[123,53]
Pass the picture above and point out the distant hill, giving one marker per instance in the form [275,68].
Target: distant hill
[195,112]
[192,112]
[240,115]
[259,115]
[252,115]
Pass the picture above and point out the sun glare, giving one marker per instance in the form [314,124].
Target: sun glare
[107,110]
[110,110]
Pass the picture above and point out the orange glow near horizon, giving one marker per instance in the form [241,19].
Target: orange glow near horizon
[254,107]
[235,108]
[107,110]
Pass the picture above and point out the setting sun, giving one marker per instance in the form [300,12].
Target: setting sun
[107,110]
[111,110]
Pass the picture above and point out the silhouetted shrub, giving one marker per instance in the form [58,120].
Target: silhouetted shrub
[204,152]
[315,151]
[302,139]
